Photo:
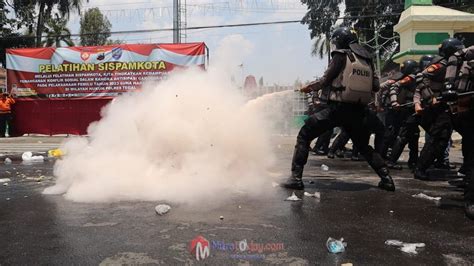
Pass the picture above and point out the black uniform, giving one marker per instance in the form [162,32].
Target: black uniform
[401,96]
[350,116]
[435,119]
[460,78]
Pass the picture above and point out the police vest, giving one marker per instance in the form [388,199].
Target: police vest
[354,83]
[465,77]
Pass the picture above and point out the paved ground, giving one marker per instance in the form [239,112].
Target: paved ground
[38,229]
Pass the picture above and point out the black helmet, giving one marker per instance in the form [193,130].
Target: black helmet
[449,46]
[344,36]
[409,67]
[425,61]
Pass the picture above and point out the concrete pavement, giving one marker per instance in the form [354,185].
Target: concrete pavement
[41,229]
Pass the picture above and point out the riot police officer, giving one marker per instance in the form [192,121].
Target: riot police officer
[435,115]
[401,97]
[349,83]
[458,93]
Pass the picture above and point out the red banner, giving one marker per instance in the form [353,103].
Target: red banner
[75,77]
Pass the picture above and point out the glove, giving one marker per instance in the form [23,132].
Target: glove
[306,89]
[313,86]
[449,95]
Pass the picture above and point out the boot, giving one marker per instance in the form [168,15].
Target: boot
[340,153]
[386,181]
[421,175]
[444,165]
[469,209]
[331,154]
[295,181]
[394,166]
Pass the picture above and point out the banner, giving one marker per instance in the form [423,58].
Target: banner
[62,90]
[95,72]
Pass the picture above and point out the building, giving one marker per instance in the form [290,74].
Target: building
[423,26]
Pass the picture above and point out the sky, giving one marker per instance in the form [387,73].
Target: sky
[280,54]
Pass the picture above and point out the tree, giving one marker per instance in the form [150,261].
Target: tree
[95,28]
[9,37]
[321,18]
[322,46]
[44,11]
[57,32]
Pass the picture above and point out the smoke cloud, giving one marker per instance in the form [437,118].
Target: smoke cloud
[190,138]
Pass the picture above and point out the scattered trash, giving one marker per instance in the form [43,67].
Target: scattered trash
[221,217]
[324,167]
[391,211]
[7,198]
[311,182]
[25,196]
[8,172]
[28,157]
[5,184]
[336,246]
[274,184]
[424,196]
[293,197]
[39,141]
[8,161]
[55,153]
[347,264]
[162,209]
[240,207]
[4,180]
[315,195]
[405,247]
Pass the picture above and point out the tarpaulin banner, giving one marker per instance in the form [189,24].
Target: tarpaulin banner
[98,71]
[62,90]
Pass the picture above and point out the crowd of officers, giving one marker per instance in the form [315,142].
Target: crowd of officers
[435,94]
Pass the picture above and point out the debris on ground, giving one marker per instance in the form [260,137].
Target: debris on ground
[162,209]
[293,197]
[405,247]
[324,167]
[28,157]
[314,195]
[336,246]
[424,196]
[5,180]
[8,161]
[56,153]
[347,264]
[274,184]
[221,217]
[5,184]
[7,198]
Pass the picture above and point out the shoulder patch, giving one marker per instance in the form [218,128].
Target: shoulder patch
[406,80]
[433,68]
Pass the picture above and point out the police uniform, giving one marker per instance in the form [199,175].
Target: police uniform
[388,115]
[435,119]
[401,97]
[348,83]
[460,77]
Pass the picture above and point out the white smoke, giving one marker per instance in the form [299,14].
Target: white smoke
[190,138]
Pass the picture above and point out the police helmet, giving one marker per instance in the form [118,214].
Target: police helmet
[425,61]
[343,37]
[450,46]
[409,67]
